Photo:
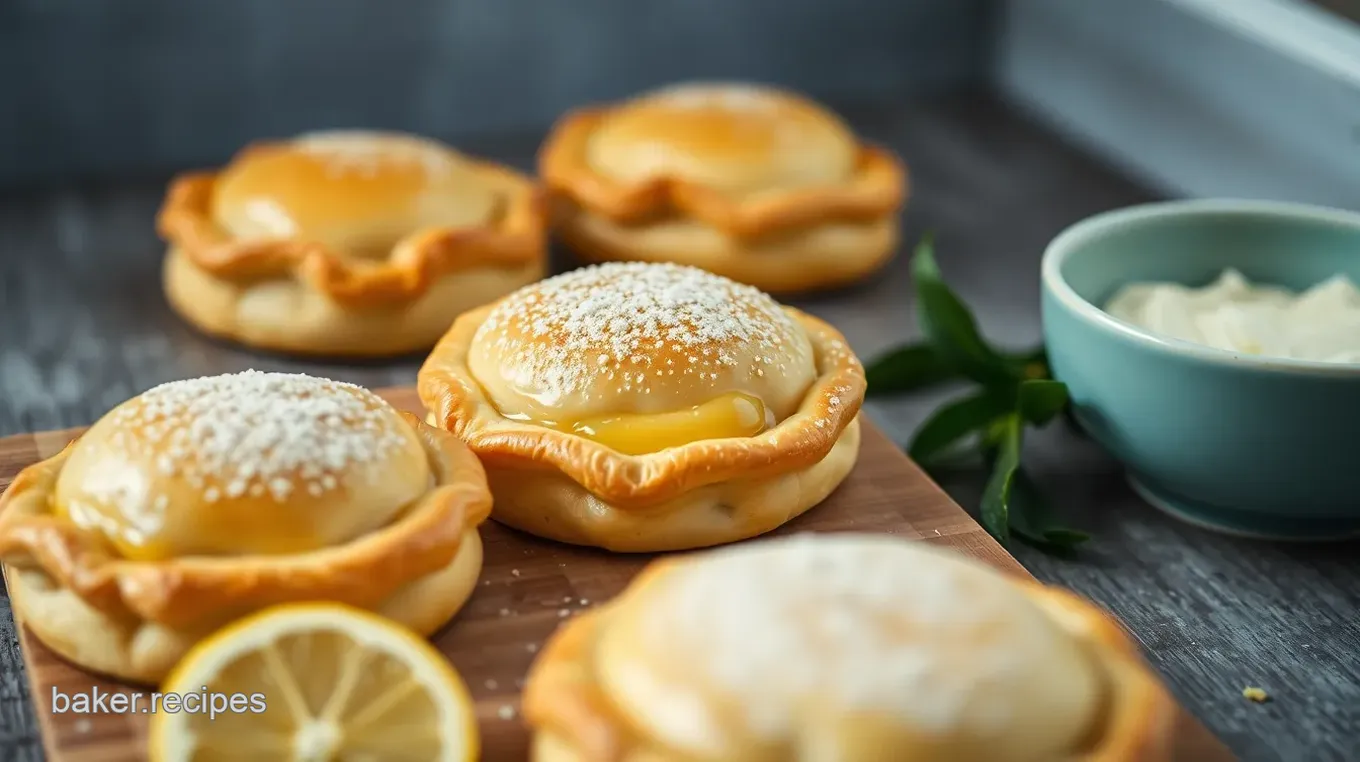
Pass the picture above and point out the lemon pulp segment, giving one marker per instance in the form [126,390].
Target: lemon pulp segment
[317,682]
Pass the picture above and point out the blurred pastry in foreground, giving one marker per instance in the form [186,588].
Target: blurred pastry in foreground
[644,407]
[756,184]
[843,647]
[201,501]
[347,243]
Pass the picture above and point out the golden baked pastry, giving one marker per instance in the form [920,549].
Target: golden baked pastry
[757,184]
[347,243]
[201,501]
[647,407]
[845,647]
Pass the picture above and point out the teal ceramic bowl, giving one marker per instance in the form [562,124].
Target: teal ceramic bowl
[1238,443]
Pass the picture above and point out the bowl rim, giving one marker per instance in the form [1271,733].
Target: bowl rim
[1079,233]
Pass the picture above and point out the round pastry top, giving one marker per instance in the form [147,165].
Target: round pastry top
[356,192]
[835,641]
[731,137]
[627,338]
[241,464]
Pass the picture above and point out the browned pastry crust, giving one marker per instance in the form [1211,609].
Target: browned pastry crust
[876,188]
[574,720]
[515,238]
[459,404]
[780,238]
[69,577]
[529,382]
[344,304]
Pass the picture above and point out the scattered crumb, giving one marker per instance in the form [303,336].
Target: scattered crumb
[531,648]
[506,712]
[1255,694]
[519,683]
[564,613]
[505,612]
[514,572]
[83,726]
[562,566]
[491,685]
[486,582]
[585,602]
[566,599]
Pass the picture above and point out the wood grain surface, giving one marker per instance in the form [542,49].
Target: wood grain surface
[528,587]
[83,326]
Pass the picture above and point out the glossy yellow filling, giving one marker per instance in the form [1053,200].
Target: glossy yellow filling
[139,534]
[730,415]
[133,543]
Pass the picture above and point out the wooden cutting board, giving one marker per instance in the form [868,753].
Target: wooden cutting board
[529,586]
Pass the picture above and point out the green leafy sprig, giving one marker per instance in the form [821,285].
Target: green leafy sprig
[1013,391]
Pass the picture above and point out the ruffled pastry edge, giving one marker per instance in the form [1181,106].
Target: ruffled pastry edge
[878,188]
[457,402]
[186,593]
[515,237]
[568,712]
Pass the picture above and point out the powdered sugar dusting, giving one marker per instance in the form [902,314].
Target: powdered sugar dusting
[366,153]
[637,326]
[735,137]
[859,622]
[723,95]
[257,433]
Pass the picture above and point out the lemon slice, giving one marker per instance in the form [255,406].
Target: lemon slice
[311,682]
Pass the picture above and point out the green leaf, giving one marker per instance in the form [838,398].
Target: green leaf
[1040,400]
[956,421]
[1032,518]
[907,368]
[1011,502]
[996,498]
[993,437]
[1017,389]
[950,327]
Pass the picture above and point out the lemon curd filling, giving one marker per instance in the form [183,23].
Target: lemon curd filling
[134,540]
[143,535]
[730,415]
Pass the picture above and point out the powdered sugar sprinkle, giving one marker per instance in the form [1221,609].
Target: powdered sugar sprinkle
[366,152]
[635,325]
[860,622]
[731,96]
[257,433]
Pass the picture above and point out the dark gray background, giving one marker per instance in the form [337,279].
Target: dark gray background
[111,89]
[99,100]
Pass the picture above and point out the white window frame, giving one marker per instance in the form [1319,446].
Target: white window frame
[1241,98]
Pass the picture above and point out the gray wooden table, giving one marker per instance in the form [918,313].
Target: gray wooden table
[83,327]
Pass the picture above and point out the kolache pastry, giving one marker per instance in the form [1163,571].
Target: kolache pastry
[754,183]
[648,407]
[347,243]
[201,501]
[845,648]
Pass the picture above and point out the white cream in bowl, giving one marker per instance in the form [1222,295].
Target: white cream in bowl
[1321,324]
